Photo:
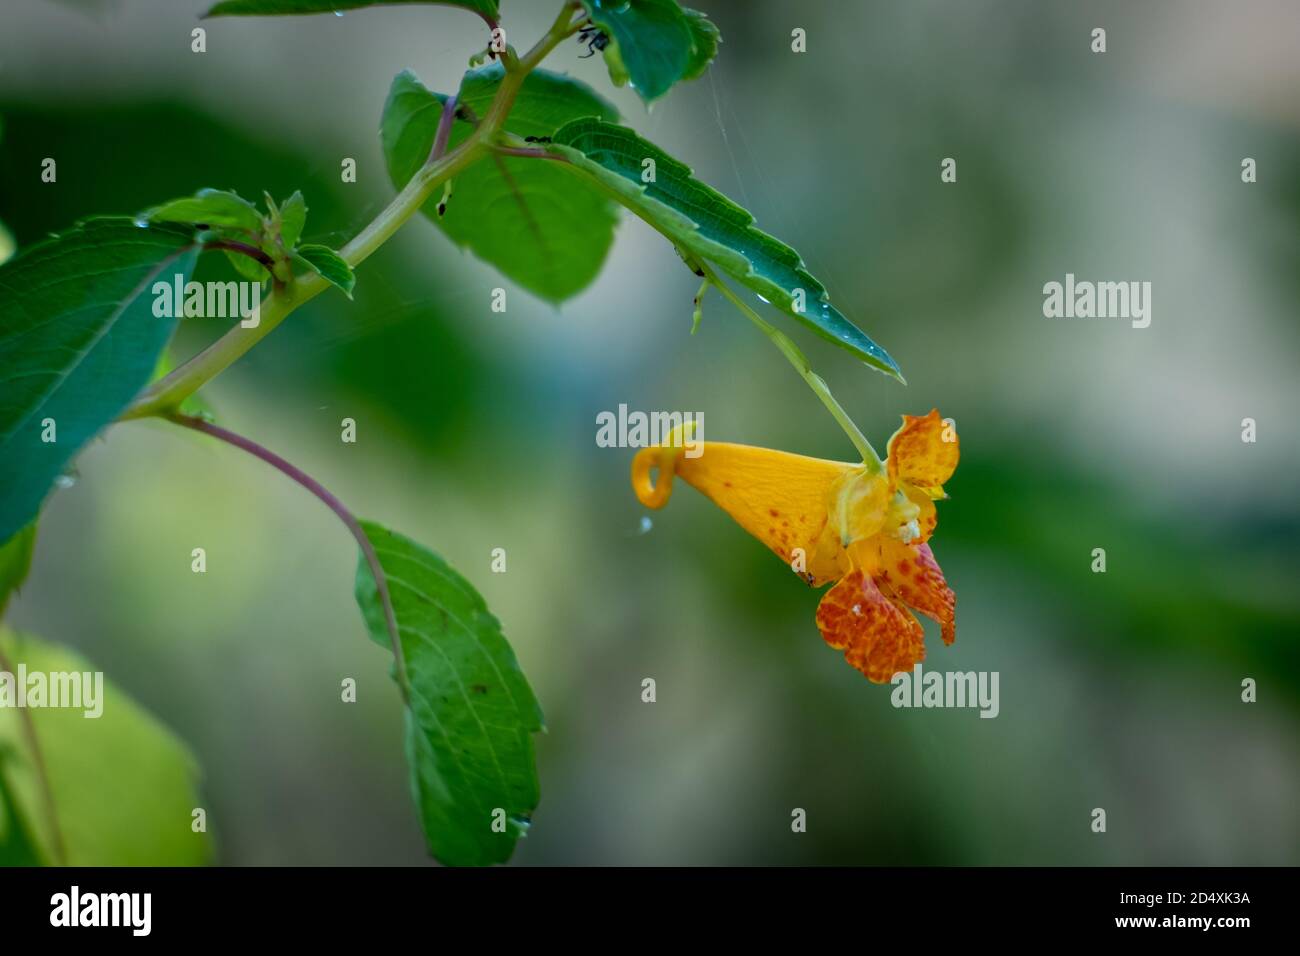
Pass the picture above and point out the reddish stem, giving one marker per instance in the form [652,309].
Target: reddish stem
[443,135]
[243,248]
[335,505]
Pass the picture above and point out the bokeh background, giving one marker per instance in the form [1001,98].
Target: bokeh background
[477,430]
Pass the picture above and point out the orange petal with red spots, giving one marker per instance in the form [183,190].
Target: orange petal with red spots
[878,637]
[919,454]
[910,573]
[777,497]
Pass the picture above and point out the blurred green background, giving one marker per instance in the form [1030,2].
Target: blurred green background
[477,431]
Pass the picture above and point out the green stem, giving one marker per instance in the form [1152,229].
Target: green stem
[800,362]
[166,394]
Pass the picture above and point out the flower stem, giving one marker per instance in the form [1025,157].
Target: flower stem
[791,351]
[800,362]
[335,505]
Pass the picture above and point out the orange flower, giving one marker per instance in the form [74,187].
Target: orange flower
[862,526]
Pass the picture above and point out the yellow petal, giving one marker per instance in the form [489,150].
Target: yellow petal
[923,453]
[779,498]
[860,504]
[654,494]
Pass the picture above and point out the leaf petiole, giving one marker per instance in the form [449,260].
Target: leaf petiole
[335,505]
[242,248]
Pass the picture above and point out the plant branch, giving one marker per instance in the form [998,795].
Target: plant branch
[800,362]
[518,68]
[165,395]
[42,771]
[335,505]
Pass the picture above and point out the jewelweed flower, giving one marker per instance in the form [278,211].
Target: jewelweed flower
[865,526]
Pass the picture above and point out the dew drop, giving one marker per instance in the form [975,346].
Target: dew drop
[646,524]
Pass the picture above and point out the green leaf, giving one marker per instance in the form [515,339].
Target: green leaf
[246,266]
[17,844]
[653,43]
[78,340]
[15,562]
[703,223]
[484,8]
[123,785]
[472,714]
[329,265]
[210,207]
[521,215]
[293,216]
[706,38]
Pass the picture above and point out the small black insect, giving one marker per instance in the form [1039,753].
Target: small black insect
[595,38]
[537,139]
